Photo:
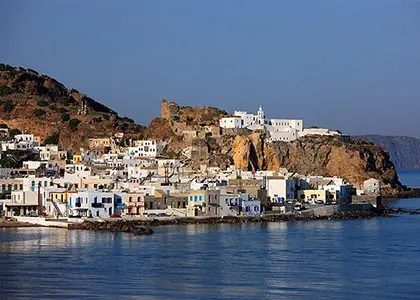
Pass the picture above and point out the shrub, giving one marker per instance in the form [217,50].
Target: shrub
[62,110]
[39,112]
[5,90]
[42,102]
[8,106]
[65,117]
[33,71]
[52,139]
[73,124]
[53,107]
[14,132]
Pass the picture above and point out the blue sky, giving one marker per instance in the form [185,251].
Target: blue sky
[352,65]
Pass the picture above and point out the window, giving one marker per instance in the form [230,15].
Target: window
[130,199]
[195,198]
[201,198]
[138,199]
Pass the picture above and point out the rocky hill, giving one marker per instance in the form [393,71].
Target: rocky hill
[404,151]
[41,105]
[352,159]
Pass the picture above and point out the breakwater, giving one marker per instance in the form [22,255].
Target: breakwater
[113,226]
[144,226]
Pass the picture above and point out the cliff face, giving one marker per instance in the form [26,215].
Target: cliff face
[353,160]
[404,151]
[41,105]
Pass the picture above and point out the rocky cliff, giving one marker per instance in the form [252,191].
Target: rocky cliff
[41,105]
[353,160]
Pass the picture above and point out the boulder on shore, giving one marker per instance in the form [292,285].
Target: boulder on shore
[113,226]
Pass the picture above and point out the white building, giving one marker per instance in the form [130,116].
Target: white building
[146,148]
[94,203]
[239,204]
[372,186]
[22,203]
[281,189]
[320,131]
[279,129]
[51,152]
[231,122]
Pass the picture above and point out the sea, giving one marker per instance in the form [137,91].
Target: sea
[353,259]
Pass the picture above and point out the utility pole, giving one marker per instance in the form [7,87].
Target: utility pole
[40,208]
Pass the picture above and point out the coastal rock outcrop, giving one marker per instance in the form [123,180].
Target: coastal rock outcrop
[113,226]
[353,160]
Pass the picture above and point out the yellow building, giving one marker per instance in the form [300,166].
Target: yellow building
[323,195]
[77,158]
[95,183]
[59,196]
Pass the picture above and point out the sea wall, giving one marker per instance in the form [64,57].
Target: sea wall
[42,222]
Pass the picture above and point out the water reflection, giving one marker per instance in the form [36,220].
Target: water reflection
[32,239]
[305,260]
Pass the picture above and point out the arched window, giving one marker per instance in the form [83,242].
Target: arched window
[130,199]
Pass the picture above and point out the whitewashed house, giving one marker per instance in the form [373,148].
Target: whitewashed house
[279,129]
[239,204]
[94,203]
[372,186]
[280,189]
[146,148]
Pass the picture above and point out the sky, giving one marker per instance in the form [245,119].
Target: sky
[352,65]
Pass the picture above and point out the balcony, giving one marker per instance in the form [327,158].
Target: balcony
[97,205]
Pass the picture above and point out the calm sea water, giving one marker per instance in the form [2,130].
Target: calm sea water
[355,259]
[410,178]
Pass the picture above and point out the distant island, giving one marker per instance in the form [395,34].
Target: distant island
[404,151]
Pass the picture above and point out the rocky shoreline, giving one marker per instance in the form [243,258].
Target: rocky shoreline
[144,226]
[113,226]
[15,224]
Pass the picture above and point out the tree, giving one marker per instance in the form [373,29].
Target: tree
[39,112]
[8,106]
[5,90]
[73,124]
[52,139]
[42,102]
[65,117]
[14,132]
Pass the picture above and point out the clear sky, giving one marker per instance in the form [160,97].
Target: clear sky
[352,65]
